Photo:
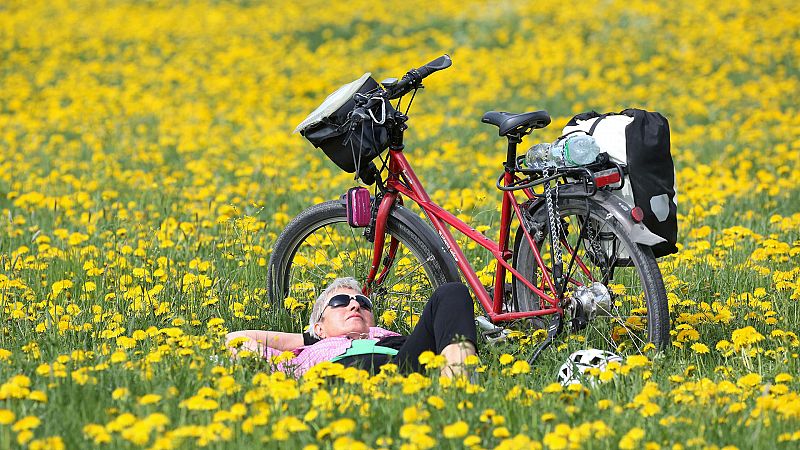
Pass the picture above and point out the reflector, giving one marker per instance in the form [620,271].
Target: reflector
[637,214]
[606,177]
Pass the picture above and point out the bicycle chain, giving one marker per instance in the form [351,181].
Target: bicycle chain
[554,219]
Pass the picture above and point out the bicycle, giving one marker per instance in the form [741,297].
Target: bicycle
[600,275]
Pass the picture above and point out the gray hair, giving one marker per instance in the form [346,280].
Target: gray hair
[319,304]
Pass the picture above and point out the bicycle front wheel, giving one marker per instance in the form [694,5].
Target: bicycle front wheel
[596,249]
[319,245]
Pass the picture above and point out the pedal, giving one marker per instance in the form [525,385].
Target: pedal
[490,331]
[485,325]
[500,336]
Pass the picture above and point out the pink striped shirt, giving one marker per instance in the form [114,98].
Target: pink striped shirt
[324,350]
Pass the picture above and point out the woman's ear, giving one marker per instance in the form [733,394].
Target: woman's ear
[318,330]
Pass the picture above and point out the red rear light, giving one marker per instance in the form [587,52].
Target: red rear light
[637,214]
[606,177]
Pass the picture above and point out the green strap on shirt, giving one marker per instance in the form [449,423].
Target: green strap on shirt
[365,347]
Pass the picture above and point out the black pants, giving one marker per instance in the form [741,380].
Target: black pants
[447,318]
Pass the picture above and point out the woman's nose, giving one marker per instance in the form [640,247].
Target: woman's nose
[354,304]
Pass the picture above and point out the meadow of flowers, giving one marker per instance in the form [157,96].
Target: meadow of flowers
[147,165]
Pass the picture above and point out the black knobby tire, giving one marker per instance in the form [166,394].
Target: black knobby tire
[319,245]
[639,313]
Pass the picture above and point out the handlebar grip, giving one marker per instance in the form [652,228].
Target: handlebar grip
[413,78]
[442,62]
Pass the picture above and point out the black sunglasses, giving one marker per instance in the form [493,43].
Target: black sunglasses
[340,300]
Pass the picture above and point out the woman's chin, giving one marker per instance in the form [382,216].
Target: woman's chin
[360,327]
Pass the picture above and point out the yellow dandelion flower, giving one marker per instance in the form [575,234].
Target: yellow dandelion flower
[149,399]
[699,348]
[630,440]
[501,432]
[455,430]
[426,356]
[26,423]
[7,416]
[750,380]
[38,396]
[436,401]
[552,388]
[745,337]
[342,426]
[471,441]
[472,360]
[783,378]
[506,359]
[520,367]
[412,414]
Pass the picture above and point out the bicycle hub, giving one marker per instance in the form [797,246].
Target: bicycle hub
[587,302]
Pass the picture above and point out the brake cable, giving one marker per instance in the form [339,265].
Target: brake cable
[413,94]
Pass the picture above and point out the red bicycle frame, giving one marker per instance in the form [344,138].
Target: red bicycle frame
[403,181]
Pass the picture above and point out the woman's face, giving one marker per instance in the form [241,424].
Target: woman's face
[351,319]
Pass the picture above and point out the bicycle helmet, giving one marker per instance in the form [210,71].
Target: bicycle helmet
[572,371]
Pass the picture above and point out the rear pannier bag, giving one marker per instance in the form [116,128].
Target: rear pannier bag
[640,140]
[329,126]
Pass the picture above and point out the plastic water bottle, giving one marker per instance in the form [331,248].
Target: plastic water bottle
[574,150]
[577,149]
[539,157]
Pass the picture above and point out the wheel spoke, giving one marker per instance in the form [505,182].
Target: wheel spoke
[597,250]
[575,249]
[398,293]
[412,271]
[604,335]
[339,252]
[307,268]
[320,243]
[633,336]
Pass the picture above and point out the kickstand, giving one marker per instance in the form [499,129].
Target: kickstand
[553,330]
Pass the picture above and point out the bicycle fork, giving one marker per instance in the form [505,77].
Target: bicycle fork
[377,234]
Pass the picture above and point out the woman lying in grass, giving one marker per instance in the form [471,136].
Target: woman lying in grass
[342,329]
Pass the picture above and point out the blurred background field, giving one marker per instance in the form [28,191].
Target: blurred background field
[147,165]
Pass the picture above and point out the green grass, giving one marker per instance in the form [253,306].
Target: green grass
[181,135]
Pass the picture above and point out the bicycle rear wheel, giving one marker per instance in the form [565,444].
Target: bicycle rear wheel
[595,248]
[318,245]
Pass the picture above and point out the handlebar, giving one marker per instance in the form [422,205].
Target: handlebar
[413,78]
[395,88]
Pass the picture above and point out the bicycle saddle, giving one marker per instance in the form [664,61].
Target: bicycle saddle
[510,123]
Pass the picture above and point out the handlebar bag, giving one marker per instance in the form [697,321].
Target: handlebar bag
[640,140]
[348,143]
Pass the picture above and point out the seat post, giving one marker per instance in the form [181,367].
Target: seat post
[511,155]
